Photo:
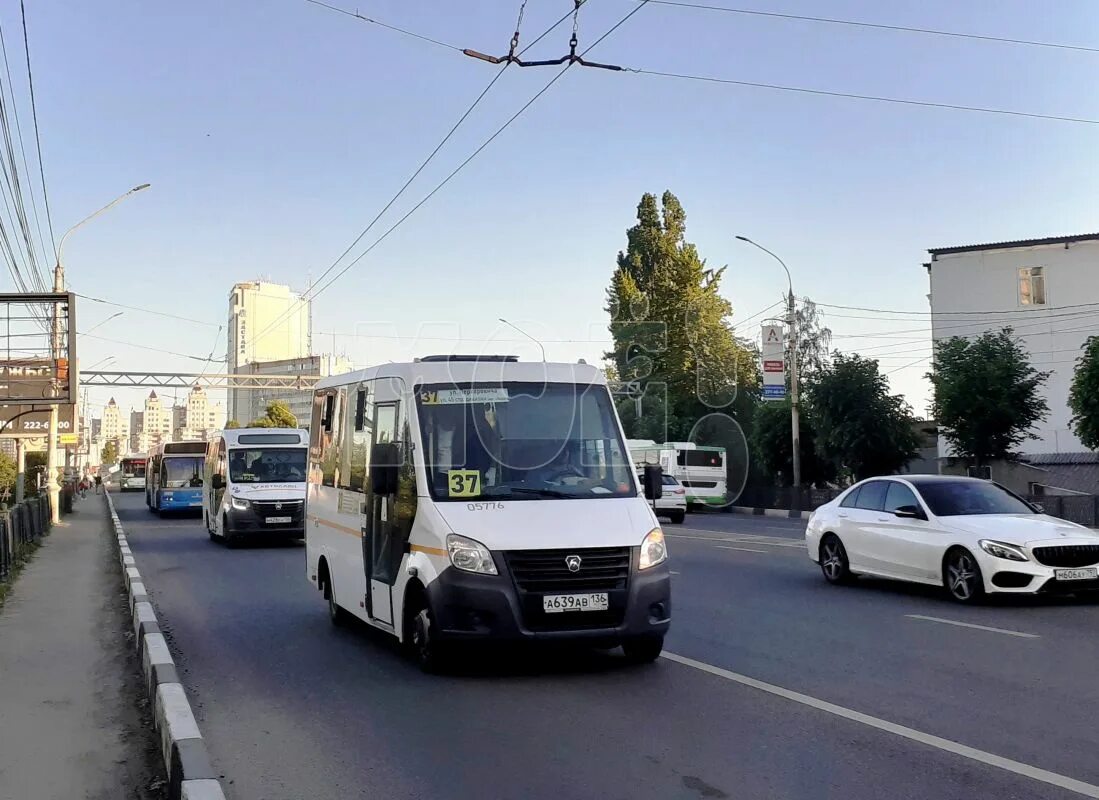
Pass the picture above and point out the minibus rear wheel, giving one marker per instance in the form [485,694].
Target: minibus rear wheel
[643,649]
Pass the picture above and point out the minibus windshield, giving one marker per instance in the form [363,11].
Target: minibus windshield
[522,441]
[267,464]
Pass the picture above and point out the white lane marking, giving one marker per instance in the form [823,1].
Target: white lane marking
[741,549]
[965,751]
[730,539]
[1004,631]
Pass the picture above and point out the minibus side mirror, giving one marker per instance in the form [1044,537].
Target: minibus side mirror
[653,482]
[217,481]
[384,459]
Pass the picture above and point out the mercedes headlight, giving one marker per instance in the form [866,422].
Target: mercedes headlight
[653,551]
[470,555]
[1003,550]
[240,504]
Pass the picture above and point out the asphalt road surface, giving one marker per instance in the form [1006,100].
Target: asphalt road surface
[776,685]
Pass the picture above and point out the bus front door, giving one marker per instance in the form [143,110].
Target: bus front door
[382,547]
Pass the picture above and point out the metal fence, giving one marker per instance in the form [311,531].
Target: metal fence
[20,527]
[784,497]
[1079,508]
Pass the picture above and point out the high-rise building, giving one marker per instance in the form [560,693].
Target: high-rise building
[200,417]
[158,422]
[138,441]
[267,322]
[299,401]
[114,427]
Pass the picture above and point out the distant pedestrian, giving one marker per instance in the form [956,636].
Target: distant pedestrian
[98,483]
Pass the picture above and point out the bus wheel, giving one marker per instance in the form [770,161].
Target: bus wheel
[336,615]
[428,651]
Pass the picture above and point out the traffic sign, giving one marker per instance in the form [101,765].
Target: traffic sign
[68,439]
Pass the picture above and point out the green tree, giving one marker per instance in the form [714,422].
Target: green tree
[987,396]
[8,474]
[1083,397]
[277,415]
[861,428]
[109,453]
[814,343]
[232,424]
[772,446]
[35,464]
[670,330]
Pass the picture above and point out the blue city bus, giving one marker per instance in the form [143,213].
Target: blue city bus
[173,480]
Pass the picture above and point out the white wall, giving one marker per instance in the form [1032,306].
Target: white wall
[988,280]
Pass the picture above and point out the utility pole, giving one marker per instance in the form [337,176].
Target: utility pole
[792,321]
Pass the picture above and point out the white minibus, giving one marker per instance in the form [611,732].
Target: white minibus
[466,499]
[254,484]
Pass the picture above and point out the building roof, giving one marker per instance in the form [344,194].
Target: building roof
[972,248]
[1061,458]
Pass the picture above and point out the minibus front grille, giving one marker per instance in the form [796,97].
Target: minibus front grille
[601,569]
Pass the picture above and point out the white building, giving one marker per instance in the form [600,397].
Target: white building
[199,417]
[300,402]
[1047,290]
[267,322]
[114,427]
[157,419]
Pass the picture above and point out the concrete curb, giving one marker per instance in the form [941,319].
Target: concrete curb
[772,512]
[190,774]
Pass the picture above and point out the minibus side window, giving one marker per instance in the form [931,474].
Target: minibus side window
[330,438]
[347,431]
[359,431]
[406,476]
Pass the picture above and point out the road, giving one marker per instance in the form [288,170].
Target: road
[781,687]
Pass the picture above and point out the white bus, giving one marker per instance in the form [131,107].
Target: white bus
[700,469]
[132,473]
[254,484]
[472,499]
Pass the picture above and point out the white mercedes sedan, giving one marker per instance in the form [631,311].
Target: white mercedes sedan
[971,536]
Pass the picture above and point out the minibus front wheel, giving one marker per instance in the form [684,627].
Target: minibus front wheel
[429,652]
[643,649]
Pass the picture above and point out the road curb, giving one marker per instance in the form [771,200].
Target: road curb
[772,512]
[190,774]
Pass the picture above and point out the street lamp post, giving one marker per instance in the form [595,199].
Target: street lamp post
[792,321]
[52,486]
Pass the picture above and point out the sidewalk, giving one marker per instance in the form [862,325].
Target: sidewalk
[73,721]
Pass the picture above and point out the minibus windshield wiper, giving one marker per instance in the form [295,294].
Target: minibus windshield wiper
[544,492]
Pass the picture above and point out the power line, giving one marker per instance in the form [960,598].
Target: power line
[147,347]
[746,320]
[34,115]
[379,23]
[147,310]
[1031,310]
[310,294]
[879,26]
[478,151]
[868,97]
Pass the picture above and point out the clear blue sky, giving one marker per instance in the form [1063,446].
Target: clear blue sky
[273,131]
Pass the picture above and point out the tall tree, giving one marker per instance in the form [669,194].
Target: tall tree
[772,446]
[277,415]
[109,453]
[8,475]
[860,427]
[1083,397]
[670,329]
[814,342]
[987,396]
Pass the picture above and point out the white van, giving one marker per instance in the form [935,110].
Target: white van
[470,499]
[254,484]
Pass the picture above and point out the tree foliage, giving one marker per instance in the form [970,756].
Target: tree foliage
[987,396]
[109,453]
[35,465]
[814,343]
[670,330]
[8,474]
[277,415]
[232,424]
[1083,397]
[772,446]
[860,427]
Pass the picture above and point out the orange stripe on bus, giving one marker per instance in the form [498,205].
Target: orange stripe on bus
[434,551]
[338,527]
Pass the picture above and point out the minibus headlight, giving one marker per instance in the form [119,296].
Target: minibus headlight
[470,555]
[240,504]
[653,551]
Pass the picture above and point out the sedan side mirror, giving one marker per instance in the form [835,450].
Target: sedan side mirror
[653,481]
[909,512]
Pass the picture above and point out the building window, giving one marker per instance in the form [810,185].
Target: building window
[1032,286]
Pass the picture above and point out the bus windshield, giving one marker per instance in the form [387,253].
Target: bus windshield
[266,464]
[522,441]
[182,472]
[133,468]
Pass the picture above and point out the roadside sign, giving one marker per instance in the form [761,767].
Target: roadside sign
[67,439]
[774,362]
[34,420]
